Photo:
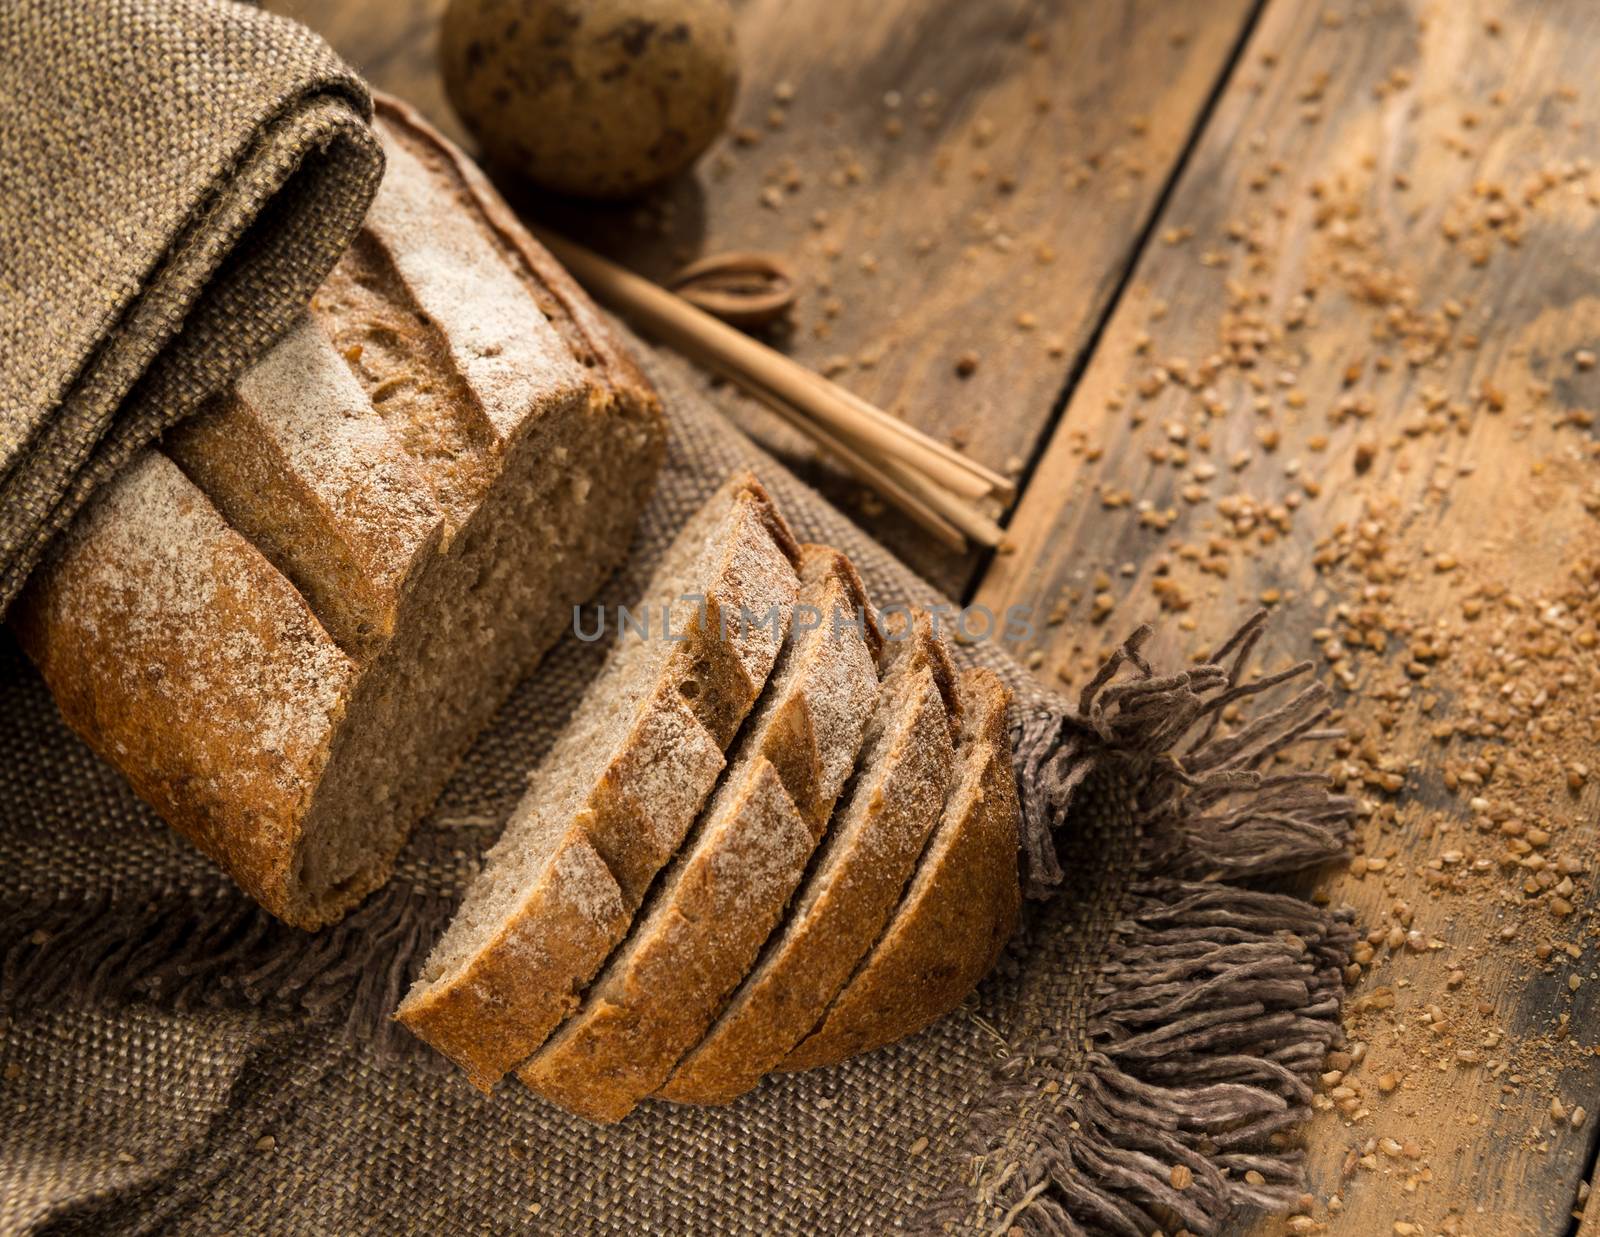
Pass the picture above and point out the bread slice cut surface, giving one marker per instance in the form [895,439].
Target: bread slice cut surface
[703,924]
[958,910]
[616,793]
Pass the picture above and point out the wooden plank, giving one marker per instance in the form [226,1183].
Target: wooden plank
[1351,378]
[949,178]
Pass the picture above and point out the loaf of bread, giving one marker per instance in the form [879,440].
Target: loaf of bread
[286,625]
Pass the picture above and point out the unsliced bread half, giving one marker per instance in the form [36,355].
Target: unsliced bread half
[958,911]
[702,926]
[893,801]
[611,802]
[443,456]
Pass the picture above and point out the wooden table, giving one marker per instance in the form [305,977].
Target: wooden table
[1272,303]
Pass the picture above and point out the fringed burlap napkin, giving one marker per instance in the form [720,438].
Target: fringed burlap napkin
[171,1057]
[163,164]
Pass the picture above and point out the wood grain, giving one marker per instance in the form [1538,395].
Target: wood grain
[948,178]
[1370,306]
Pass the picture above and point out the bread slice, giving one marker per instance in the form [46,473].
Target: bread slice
[313,472]
[703,924]
[615,795]
[894,799]
[959,910]
[440,461]
[811,718]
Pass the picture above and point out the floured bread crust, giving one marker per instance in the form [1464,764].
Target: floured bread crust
[203,630]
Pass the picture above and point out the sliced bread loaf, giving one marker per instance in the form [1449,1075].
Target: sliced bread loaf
[440,461]
[958,911]
[702,925]
[611,801]
[892,803]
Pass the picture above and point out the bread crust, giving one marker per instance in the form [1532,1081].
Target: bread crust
[642,803]
[304,465]
[204,627]
[455,272]
[958,912]
[913,635]
[568,307]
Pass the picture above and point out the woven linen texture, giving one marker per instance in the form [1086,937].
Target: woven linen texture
[164,164]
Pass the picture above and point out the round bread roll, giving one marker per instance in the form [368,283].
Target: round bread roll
[598,98]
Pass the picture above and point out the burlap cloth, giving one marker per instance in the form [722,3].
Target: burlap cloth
[163,164]
[171,1058]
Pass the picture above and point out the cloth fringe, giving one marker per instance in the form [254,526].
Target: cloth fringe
[1217,1003]
[222,950]
[1210,1026]
[1208,808]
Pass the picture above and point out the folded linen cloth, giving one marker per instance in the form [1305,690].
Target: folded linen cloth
[164,164]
